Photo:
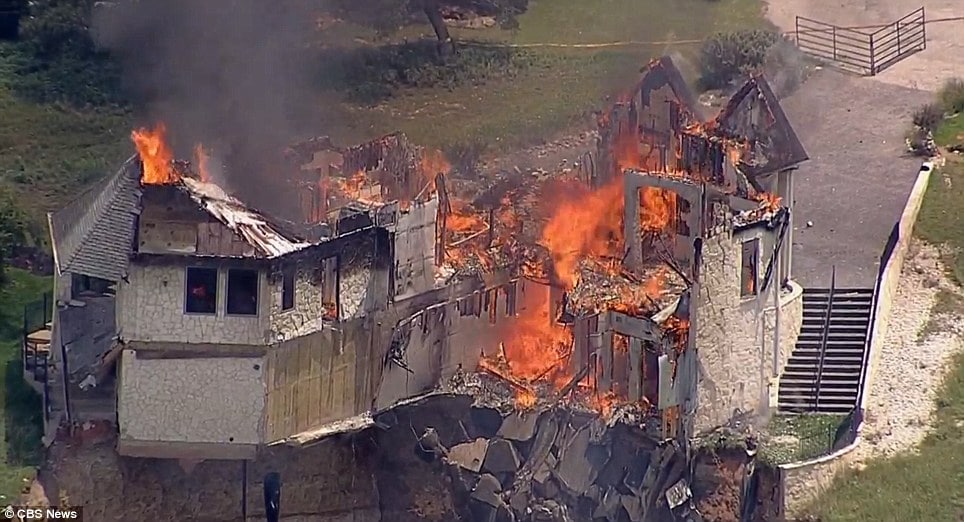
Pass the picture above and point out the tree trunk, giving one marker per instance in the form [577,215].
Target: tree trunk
[446,47]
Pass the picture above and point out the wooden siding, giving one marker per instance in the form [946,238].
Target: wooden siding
[315,379]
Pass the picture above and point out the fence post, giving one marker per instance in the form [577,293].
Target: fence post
[835,43]
[923,28]
[873,57]
[898,37]
[796,33]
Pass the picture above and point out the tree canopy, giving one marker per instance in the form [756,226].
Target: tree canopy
[386,15]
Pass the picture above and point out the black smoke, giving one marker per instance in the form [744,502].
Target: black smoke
[232,74]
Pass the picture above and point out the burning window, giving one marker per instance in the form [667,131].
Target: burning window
[329,287]
[749,267]
[288,288]
[242,292]
[202,291]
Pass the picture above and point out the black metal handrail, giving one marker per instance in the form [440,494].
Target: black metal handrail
[826,335]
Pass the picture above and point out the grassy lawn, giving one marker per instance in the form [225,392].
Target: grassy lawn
[562,86]
[950,131]
[22,425]
[795,438]
[48,153]
[928,485]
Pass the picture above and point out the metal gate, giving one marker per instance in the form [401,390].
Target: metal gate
[866,51]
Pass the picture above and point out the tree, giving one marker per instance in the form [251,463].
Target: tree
[386,15]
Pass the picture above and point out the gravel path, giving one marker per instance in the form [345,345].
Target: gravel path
[902,400]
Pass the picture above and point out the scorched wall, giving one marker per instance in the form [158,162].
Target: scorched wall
[735,334]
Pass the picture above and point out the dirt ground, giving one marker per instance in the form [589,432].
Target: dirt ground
[857,180]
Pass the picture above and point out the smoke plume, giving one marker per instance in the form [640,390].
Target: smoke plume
[231,74]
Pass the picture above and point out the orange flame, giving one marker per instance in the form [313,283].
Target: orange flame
[156,156]
[536,342]
[525,399]
[585,224]
[432,164]
[657,210]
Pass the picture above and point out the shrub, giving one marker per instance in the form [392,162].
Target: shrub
[920,142]
[726,56]
[928,117]
[951,95]
[373,74]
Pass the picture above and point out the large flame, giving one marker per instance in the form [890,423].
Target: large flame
[156,156]
[537,345]
[585,224]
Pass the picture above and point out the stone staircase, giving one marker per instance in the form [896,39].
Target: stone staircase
[838,382]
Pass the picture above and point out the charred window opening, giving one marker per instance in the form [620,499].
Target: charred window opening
[675,118]
[288,288]
[242,292]
[749,268]
[201,291]
[329,287]
[81,285]
[682,210]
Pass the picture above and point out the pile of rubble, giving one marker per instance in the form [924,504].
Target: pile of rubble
[551,464]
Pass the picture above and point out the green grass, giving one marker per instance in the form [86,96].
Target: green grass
[560,89]
[795,438]
[20,452]
[927,485]
[48,153]
[950,131]
[941,221]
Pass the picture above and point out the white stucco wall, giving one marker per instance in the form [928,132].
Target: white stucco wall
[215,400]
[150,307]
[735,335]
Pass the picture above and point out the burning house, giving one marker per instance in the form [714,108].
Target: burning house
[653,296]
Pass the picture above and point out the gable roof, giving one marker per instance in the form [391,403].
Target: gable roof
[661,72]
[94,234]
[754,112]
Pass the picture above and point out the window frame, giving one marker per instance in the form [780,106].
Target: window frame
[332,278]
[755,241]
[257,293]
[288,273]
[187,289]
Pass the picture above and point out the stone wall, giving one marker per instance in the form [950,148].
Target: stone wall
[331,481]
[150,307]
[306,315]
[735,334]
[216,400]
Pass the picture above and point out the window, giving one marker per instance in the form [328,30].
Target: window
[202,291]
[749,268]
[242,292]
[329,287]
[288,288]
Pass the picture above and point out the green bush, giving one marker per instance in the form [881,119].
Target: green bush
[951,95]
[725,56]
[372,74]
[929,116]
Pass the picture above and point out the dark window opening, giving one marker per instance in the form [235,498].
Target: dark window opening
[682,211]
[288,288]
[329,287]
[202,291]
[81,285]
[749,268]
[242,292]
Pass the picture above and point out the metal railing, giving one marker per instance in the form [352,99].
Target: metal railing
[863,51]
[36,315]
[824,337]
